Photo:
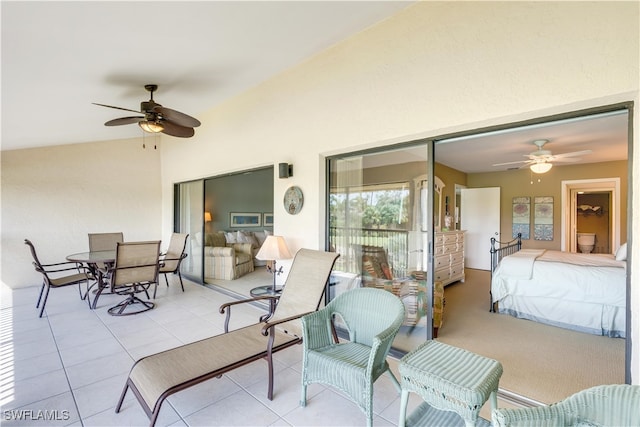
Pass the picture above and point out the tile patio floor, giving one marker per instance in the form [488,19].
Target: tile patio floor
[70,366]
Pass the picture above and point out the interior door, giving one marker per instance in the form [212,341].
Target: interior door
[480,218]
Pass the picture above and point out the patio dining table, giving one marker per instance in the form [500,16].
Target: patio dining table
[92,259]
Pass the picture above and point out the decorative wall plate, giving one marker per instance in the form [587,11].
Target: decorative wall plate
[293,200]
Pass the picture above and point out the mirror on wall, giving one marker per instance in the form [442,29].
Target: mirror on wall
[421,194]
[457,203]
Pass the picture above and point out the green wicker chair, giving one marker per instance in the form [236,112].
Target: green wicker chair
[605,405]
[372,318]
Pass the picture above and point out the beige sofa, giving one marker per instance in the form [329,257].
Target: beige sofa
[227,262]
[255,237]
[231,254]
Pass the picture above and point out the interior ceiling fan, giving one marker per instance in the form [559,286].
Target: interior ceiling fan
[540,161]
[157,118]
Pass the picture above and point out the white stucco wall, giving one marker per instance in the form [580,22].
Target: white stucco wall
[54,196]
[434,68]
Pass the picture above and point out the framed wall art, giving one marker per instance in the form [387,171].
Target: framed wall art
[245,219]
[267,219]
[521,217]
[543,223]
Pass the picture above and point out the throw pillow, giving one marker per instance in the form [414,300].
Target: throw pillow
[367,268]
[260,237]
[621,253]
[230,237]
[217,239]
[247,237]
[373,267]
[386,270]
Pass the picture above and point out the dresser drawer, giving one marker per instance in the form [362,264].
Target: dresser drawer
[442,275]
[457,257]
[438,250]
[442,261]
[449,238]
[457,270]
[447,249]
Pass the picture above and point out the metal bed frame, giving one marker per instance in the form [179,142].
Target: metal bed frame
[498,251]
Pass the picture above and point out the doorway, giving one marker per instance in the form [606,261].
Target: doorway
[585,211]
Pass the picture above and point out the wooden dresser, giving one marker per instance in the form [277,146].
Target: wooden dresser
[449,256]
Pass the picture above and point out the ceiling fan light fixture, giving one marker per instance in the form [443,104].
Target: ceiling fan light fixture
[151,127]
[542,167]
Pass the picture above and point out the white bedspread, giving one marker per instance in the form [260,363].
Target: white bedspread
[585,292]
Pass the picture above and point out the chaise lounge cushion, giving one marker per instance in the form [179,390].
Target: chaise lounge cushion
[154,375]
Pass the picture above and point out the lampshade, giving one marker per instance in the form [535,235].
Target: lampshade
[273,248]
[152,127]
[540,167]
[207,217]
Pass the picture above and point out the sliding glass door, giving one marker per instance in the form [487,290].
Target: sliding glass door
[380,221]
[189,218]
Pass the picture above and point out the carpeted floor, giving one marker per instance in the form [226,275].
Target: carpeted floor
[542,363]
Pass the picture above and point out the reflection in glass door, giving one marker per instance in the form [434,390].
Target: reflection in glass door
[377,224]
[190,219]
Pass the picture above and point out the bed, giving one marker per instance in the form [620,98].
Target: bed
[582,292]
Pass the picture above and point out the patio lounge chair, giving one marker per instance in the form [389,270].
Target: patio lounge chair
[154,378]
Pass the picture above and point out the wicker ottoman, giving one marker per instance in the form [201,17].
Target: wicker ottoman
[449,379]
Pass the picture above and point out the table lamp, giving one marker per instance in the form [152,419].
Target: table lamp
[274,248]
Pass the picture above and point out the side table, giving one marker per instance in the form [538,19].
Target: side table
[449,379]
[267,290]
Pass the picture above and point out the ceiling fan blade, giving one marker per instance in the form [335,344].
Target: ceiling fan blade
[572,154]
[565,160]
[177,117]
[124,121]
[117,108]
[513,163]
[177,130]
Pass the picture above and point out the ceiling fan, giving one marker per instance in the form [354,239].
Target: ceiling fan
[541,161]
[157,118]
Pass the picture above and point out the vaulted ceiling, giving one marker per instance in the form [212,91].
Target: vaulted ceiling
[60,57]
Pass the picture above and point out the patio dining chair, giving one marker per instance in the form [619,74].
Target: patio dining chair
[59,275]
[102,242]
[135,271]
[372,318]
[170,260]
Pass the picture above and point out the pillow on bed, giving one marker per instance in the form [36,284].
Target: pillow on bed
[621,253]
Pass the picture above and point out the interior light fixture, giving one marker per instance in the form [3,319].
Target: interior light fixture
[542,167]
[151,127]
[273,249]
